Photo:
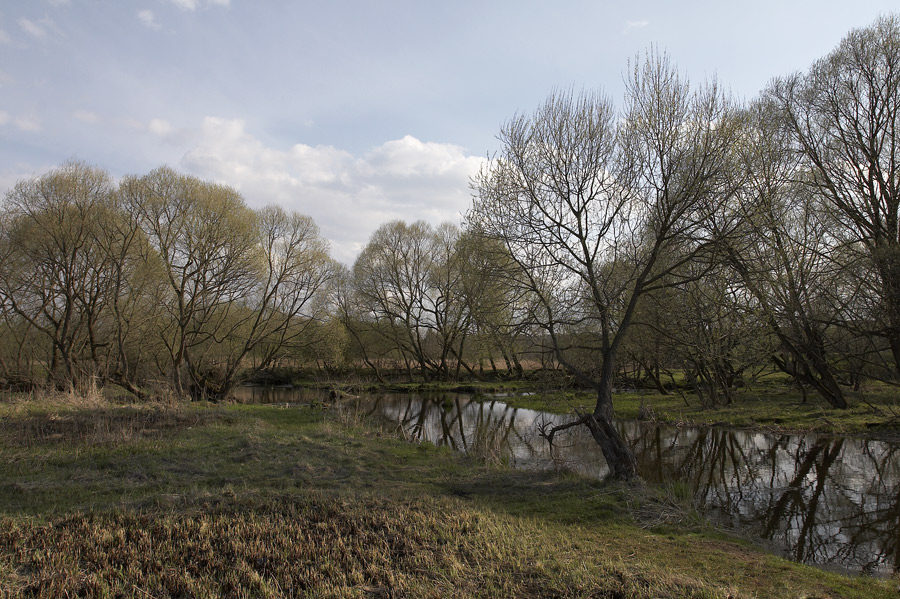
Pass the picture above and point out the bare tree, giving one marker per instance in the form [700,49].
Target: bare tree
[781,249]
[493,303]
[408,288]
[391,278]
[710,329]
[288,306]
[598,210]
[205,237]
[844,119]
[447,308]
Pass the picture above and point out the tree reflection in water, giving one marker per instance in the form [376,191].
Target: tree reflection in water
[828,501]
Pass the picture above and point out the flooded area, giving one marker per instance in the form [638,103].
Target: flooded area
[828,501]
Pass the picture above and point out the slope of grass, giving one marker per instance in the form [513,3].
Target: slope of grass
[263,501]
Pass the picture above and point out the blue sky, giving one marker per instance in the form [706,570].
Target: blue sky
[355,112]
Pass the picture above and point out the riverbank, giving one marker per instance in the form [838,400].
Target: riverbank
[239,500]
[876,415]
[770,406]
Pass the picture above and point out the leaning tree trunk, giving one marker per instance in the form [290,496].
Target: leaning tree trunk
[619,457]
[889,267]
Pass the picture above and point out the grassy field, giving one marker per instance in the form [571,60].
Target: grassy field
[102,500]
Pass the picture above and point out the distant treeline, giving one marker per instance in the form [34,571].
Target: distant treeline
[683,235]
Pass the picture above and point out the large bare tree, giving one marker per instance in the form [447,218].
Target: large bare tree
[408,290]
[599,208]
[781,249]
[64,250]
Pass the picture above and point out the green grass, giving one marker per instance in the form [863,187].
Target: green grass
[264,501]
[873,412]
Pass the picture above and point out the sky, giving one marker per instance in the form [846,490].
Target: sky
[355,112]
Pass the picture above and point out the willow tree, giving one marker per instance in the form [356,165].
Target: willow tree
[598,208]
[782,252]
[494,306]
[407,285]
[66,261]
[239,283]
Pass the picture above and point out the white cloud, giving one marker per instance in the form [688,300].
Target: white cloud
[148,19]
[37,29]
[4,38]
[160,127]
[166,132]
[348,196]
[25,123]
[195,4]
[28,123]
[409,157]
[630,25]
[60,2]
[85,116]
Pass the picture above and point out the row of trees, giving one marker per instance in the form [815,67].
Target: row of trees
[683,231]
[163,279]
[434,302]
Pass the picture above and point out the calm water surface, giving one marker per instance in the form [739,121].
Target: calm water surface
[828,501]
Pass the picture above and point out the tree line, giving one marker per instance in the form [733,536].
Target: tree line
[733,234]
[684,231]
[161,281]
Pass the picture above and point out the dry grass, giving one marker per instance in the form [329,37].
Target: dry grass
[321,547]
[101,426]
[61,417]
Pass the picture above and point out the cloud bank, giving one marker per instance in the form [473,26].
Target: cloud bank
[348,196]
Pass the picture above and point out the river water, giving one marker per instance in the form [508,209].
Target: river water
[828,501]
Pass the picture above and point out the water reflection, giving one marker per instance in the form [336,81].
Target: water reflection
[826,501]
[487,428]
[271,394]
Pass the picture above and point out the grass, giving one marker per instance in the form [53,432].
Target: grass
[261,501]
[873,412]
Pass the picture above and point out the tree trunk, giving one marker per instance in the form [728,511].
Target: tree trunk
[520,371]
[894,341]
[619,457]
